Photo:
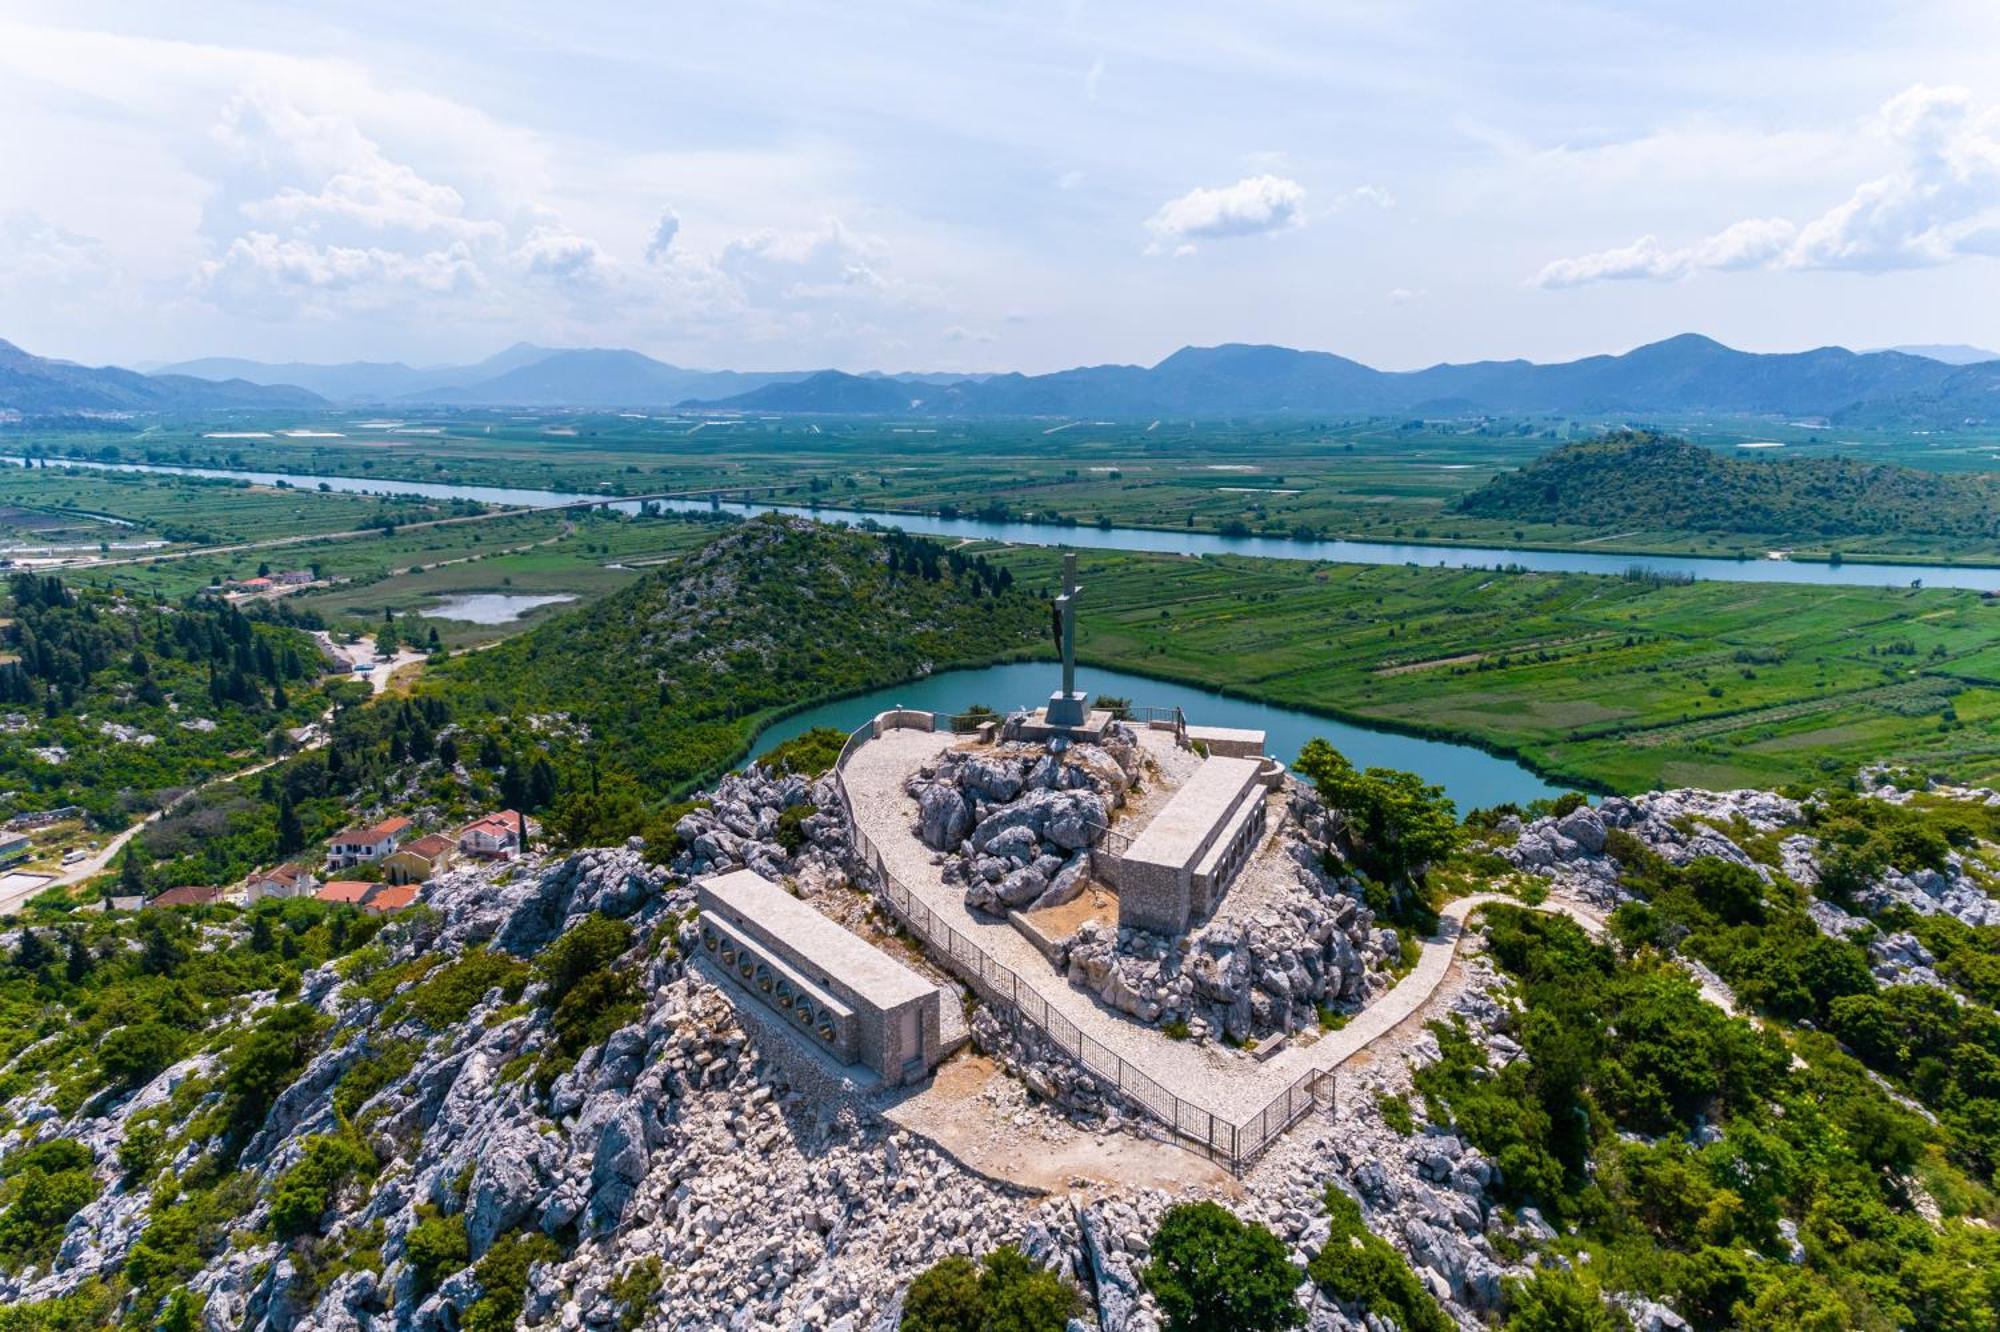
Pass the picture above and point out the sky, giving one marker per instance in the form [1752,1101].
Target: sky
[994,186]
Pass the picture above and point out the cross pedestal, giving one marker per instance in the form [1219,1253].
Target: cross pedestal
[1065,709]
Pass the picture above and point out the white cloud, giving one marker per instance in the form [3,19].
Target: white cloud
[1940,203]
[1252,206]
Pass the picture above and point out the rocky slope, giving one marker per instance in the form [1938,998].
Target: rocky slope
[691,1168]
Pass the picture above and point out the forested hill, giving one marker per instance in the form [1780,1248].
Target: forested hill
[1643,480]
[671,675]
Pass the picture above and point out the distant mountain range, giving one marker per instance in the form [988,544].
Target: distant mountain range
[1951,353]
[37,386]
[1683,376]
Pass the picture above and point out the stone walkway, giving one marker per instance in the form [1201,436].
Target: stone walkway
[1229,1083]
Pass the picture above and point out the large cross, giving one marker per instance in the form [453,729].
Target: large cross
[1066,608]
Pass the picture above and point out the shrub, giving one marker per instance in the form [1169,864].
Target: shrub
[444,997]
[503,1280]
[589,947]
[131,1056]
[1004,1292]
[436,1247]
[1357,1266]
[308,1189]
[1211,1272]
[1554,1300]
[808,754]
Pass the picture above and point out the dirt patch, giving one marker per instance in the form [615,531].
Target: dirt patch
[987,1120]
[1095,903]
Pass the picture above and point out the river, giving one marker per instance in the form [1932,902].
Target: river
[1850,574]
[1471,777]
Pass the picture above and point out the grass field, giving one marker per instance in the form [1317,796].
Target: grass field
[1370,479]
[1603,682]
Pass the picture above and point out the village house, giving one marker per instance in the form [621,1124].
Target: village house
[418,861]
[389,897]
[291,879]
[294,577]
[345,892]
[249,585]
[494,836]
[360,846]
[189,895]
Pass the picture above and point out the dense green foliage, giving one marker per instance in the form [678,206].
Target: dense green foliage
[1003,1292]
[1644,480]
[41,1187]
[116,700]
[1357,1266]
[308,1189]
[808,754]
[1211,1272]
[502,1274]
[671,674]
[436,1247]
[1394,826]
[1681,1145]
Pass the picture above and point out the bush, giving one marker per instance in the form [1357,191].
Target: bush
[445,997]
[589,947]
[1554,1300]
[1211,1272]
[808,754]
[1357,1266]
[1397,823]
[132,1056]
[503,1280]
[308,1189]
[1004,1292]
[436,1247]
[46,1186]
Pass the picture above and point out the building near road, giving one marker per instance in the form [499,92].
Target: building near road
[14,848]
[294,578]
[836,990]
[190,895]
[418,861]
[1177,868]
[360,846]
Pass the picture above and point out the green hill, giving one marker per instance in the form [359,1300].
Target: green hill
[1648,481]
[673,675]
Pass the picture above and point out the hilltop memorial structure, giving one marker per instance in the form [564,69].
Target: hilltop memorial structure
[844,994]
[1067,713]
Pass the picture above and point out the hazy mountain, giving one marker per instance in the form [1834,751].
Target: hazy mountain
[1951,353]
[37,386]
[1689,374]
[599,377]
[361,381]
[832,391]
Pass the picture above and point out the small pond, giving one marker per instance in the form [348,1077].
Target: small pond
[493,607]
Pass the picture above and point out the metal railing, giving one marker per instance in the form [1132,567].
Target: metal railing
[1234,1143]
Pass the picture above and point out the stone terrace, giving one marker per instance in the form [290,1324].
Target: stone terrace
[1229,1083]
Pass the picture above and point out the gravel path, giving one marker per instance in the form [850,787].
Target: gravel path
[1228,1083]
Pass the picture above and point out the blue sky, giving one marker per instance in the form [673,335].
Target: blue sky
[959,186]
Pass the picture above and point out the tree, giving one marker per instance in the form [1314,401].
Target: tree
[1211,1272]
[132,872]
[291,832]
[1397,822]
[131,1056]
[1005,1292]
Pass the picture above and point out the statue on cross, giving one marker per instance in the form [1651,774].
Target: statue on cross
[1066,705]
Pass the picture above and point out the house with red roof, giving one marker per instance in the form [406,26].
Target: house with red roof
[291,879]
[347,892]
[361,846]
[390,897]
[494,836]
[418,861]
[188,896]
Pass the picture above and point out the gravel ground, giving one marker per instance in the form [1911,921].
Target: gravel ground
[1228,1083]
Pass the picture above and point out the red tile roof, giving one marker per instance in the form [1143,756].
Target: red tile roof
[391,899]
[350,891]
[501,824]
[374,832]
[189,895]
[430,846]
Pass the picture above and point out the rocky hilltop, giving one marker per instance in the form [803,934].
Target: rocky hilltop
[523,1103]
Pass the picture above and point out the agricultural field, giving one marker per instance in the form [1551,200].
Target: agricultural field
[1605,683]
[1369,478]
